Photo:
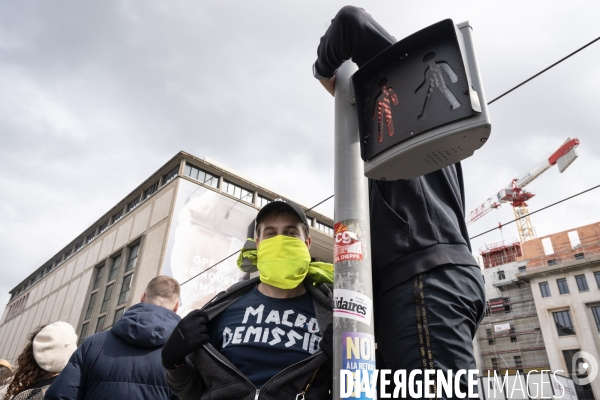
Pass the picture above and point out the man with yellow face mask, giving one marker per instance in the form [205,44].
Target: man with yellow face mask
[266,338]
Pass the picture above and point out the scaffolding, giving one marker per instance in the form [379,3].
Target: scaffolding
[500,253]
[510,338]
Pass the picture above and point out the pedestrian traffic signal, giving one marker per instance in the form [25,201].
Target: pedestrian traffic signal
[420,104]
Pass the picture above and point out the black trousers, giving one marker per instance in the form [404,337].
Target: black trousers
[430,320]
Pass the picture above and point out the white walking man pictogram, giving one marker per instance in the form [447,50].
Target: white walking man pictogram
[433,75]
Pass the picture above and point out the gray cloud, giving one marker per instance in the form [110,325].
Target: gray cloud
[94,97]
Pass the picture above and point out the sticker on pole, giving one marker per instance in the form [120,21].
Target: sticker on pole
[347,244]
[358,366]
[352,305]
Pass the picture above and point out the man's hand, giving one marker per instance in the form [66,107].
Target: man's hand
[329,85]
[189,334]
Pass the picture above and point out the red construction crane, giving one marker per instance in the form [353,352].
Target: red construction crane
[517,197]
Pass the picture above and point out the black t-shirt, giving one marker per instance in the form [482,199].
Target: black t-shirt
[262,335]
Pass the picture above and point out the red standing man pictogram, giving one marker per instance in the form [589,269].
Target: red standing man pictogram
[382,109]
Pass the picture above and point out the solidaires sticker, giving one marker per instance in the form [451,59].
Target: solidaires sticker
[352,305]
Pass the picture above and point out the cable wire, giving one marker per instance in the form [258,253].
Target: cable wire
[497,98]
[233,254]
[531,213]
[541,72]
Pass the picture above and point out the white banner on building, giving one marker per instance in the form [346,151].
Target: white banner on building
[206,228]
[501,327]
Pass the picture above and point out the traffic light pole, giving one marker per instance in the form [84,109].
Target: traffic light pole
[354,344]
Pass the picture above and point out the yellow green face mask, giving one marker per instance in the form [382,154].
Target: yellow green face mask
[282,261]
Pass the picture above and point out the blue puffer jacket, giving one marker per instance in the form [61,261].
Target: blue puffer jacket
[123,363]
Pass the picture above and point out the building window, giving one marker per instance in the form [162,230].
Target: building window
[107,295]
[563,288]
[518,362]
[100,324]
[597,276]
[90,237]
[132,261]
[545,289]
[132,204]
[117,216]
[582,283]
[83,333]
[103,227]
[501,275]
[488,332]
[78,246]
[309,220]
[495,364]
[563,322]
[325,228]
[201,176]
[57,262]
[114,268]
[98,279]
[237,191]
[90,307]
[584,392]
[552,262]
[596,312]
[263,201]
[68,254]
[513,336]
[579,256]
[118,314]
[168,177]
[124,295]
[150,191]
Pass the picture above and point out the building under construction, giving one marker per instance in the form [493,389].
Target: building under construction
[509,337]
[543,308]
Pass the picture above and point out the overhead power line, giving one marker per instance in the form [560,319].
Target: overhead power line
[233,254]
[483,233]
[500,226]
[541,72]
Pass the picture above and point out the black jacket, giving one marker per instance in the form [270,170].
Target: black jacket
[418,224]
[123,363]
[207,374]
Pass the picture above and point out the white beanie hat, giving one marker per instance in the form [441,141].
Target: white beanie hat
[54,345]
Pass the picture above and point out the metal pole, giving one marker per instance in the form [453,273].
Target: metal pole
[354,344]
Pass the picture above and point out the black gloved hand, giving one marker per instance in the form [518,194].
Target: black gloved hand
[326,343]
[189,334]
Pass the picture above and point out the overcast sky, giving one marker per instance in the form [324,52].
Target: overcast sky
[96,96]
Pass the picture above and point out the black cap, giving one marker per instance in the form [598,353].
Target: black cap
[282,204]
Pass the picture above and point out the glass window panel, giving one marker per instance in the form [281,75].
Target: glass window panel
[114,269]
[98,280]
[107,295]
[563,322]
[103,227]
[597,276]
[187,170]
[133,204]
[545,289]
[263,201]
[84,331]
[68,254]
[91,303]
[133,253]
[100,324]
[582,283]
[596,312]
[150,191]
[168,177]
[117,216]
[118,314]
[78,246]
[563,287]
[125,289]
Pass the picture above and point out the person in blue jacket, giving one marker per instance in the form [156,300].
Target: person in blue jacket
[125,362]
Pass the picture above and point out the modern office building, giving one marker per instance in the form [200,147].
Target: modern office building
[192,214]
[544,307]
